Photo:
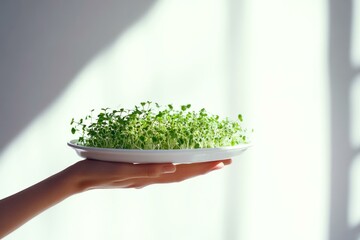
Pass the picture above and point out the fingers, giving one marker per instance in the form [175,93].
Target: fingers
[130,171]
[170,172]
[186,171]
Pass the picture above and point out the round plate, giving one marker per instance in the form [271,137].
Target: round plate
[158,156]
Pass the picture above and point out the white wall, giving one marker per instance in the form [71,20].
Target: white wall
[265,59]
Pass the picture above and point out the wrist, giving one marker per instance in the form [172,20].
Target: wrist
[77,175]
[73,179]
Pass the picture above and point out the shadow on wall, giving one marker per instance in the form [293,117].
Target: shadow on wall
[342,74]
[44,44]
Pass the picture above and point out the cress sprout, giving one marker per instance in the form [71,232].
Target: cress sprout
[150,126]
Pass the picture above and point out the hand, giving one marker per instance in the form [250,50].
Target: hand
[92,174]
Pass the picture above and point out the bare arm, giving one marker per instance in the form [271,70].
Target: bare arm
[17,209]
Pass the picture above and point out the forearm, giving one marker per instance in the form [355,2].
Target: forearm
[17,209]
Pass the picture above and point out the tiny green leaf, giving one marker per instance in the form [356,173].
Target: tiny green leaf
[152,126]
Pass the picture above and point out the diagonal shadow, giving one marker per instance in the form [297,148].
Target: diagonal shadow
[342,74]
[44,44]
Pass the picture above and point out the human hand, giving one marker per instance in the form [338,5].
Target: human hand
[92,174]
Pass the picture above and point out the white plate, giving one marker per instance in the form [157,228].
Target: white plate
[158,156]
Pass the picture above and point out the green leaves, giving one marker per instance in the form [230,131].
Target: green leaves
[150,126]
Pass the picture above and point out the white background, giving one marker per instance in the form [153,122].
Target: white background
[265,59]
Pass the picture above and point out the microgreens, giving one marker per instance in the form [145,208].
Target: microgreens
[150,126]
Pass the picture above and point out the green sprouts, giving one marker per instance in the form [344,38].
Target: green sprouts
[150,126]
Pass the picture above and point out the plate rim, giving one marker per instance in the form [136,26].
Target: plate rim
[72,143]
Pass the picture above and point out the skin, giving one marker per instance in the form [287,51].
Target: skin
[87,174]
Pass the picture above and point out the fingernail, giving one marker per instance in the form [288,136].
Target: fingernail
[218,166]
[168,169]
